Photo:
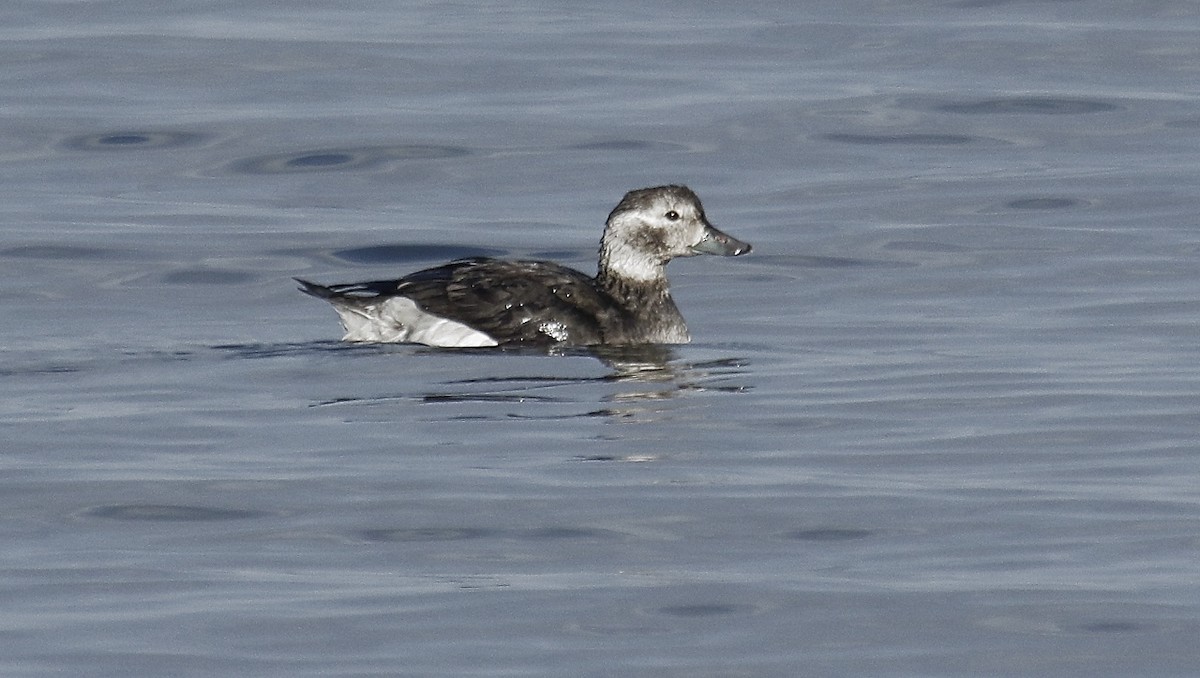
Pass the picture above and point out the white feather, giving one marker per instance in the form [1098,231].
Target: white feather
[399,319]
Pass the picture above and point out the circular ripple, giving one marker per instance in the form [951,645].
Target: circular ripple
[627,145]
[386,254]
[922,246]
[169,513]
[1113,626]
[704,609]
[555,533]
[906,139]
[1047,203]
[425,534]
[55,252]
[830,534]
[130,140]
[321,160]
[207,276]
[325,160]
[807,261]
[1038,105]
[317,161]
[1187,123]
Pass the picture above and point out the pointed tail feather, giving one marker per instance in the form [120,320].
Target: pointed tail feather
[313,289]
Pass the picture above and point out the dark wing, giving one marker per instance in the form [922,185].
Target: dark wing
[510,301]
[516,301]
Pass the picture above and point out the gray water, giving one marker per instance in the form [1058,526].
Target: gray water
[942,422]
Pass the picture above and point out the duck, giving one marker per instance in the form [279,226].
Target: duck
[485,301]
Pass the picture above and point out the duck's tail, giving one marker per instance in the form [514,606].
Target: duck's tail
[315,290]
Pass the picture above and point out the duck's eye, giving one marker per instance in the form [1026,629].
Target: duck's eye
[672,215]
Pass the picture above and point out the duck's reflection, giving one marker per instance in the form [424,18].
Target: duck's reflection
[640,382]
[639,363]
[652,373]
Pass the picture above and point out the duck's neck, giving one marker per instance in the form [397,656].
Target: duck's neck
[640,287]
[620,261]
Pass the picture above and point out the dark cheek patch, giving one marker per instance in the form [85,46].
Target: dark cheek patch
[651,240]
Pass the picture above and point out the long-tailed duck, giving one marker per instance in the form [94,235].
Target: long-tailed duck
[482,301]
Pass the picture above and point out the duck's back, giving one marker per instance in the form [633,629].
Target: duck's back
[507,301]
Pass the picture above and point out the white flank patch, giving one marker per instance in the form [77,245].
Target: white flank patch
[399,320]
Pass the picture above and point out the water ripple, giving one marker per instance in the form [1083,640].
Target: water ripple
[911,139]
[1042,203]
[390,254]
[133,140]
[344,159]
[1035,105]
[169,513]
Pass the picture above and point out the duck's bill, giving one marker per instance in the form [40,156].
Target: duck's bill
[721,244]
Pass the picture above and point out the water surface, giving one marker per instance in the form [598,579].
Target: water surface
[941,422]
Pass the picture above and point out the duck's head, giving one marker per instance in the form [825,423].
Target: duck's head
[651,226]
